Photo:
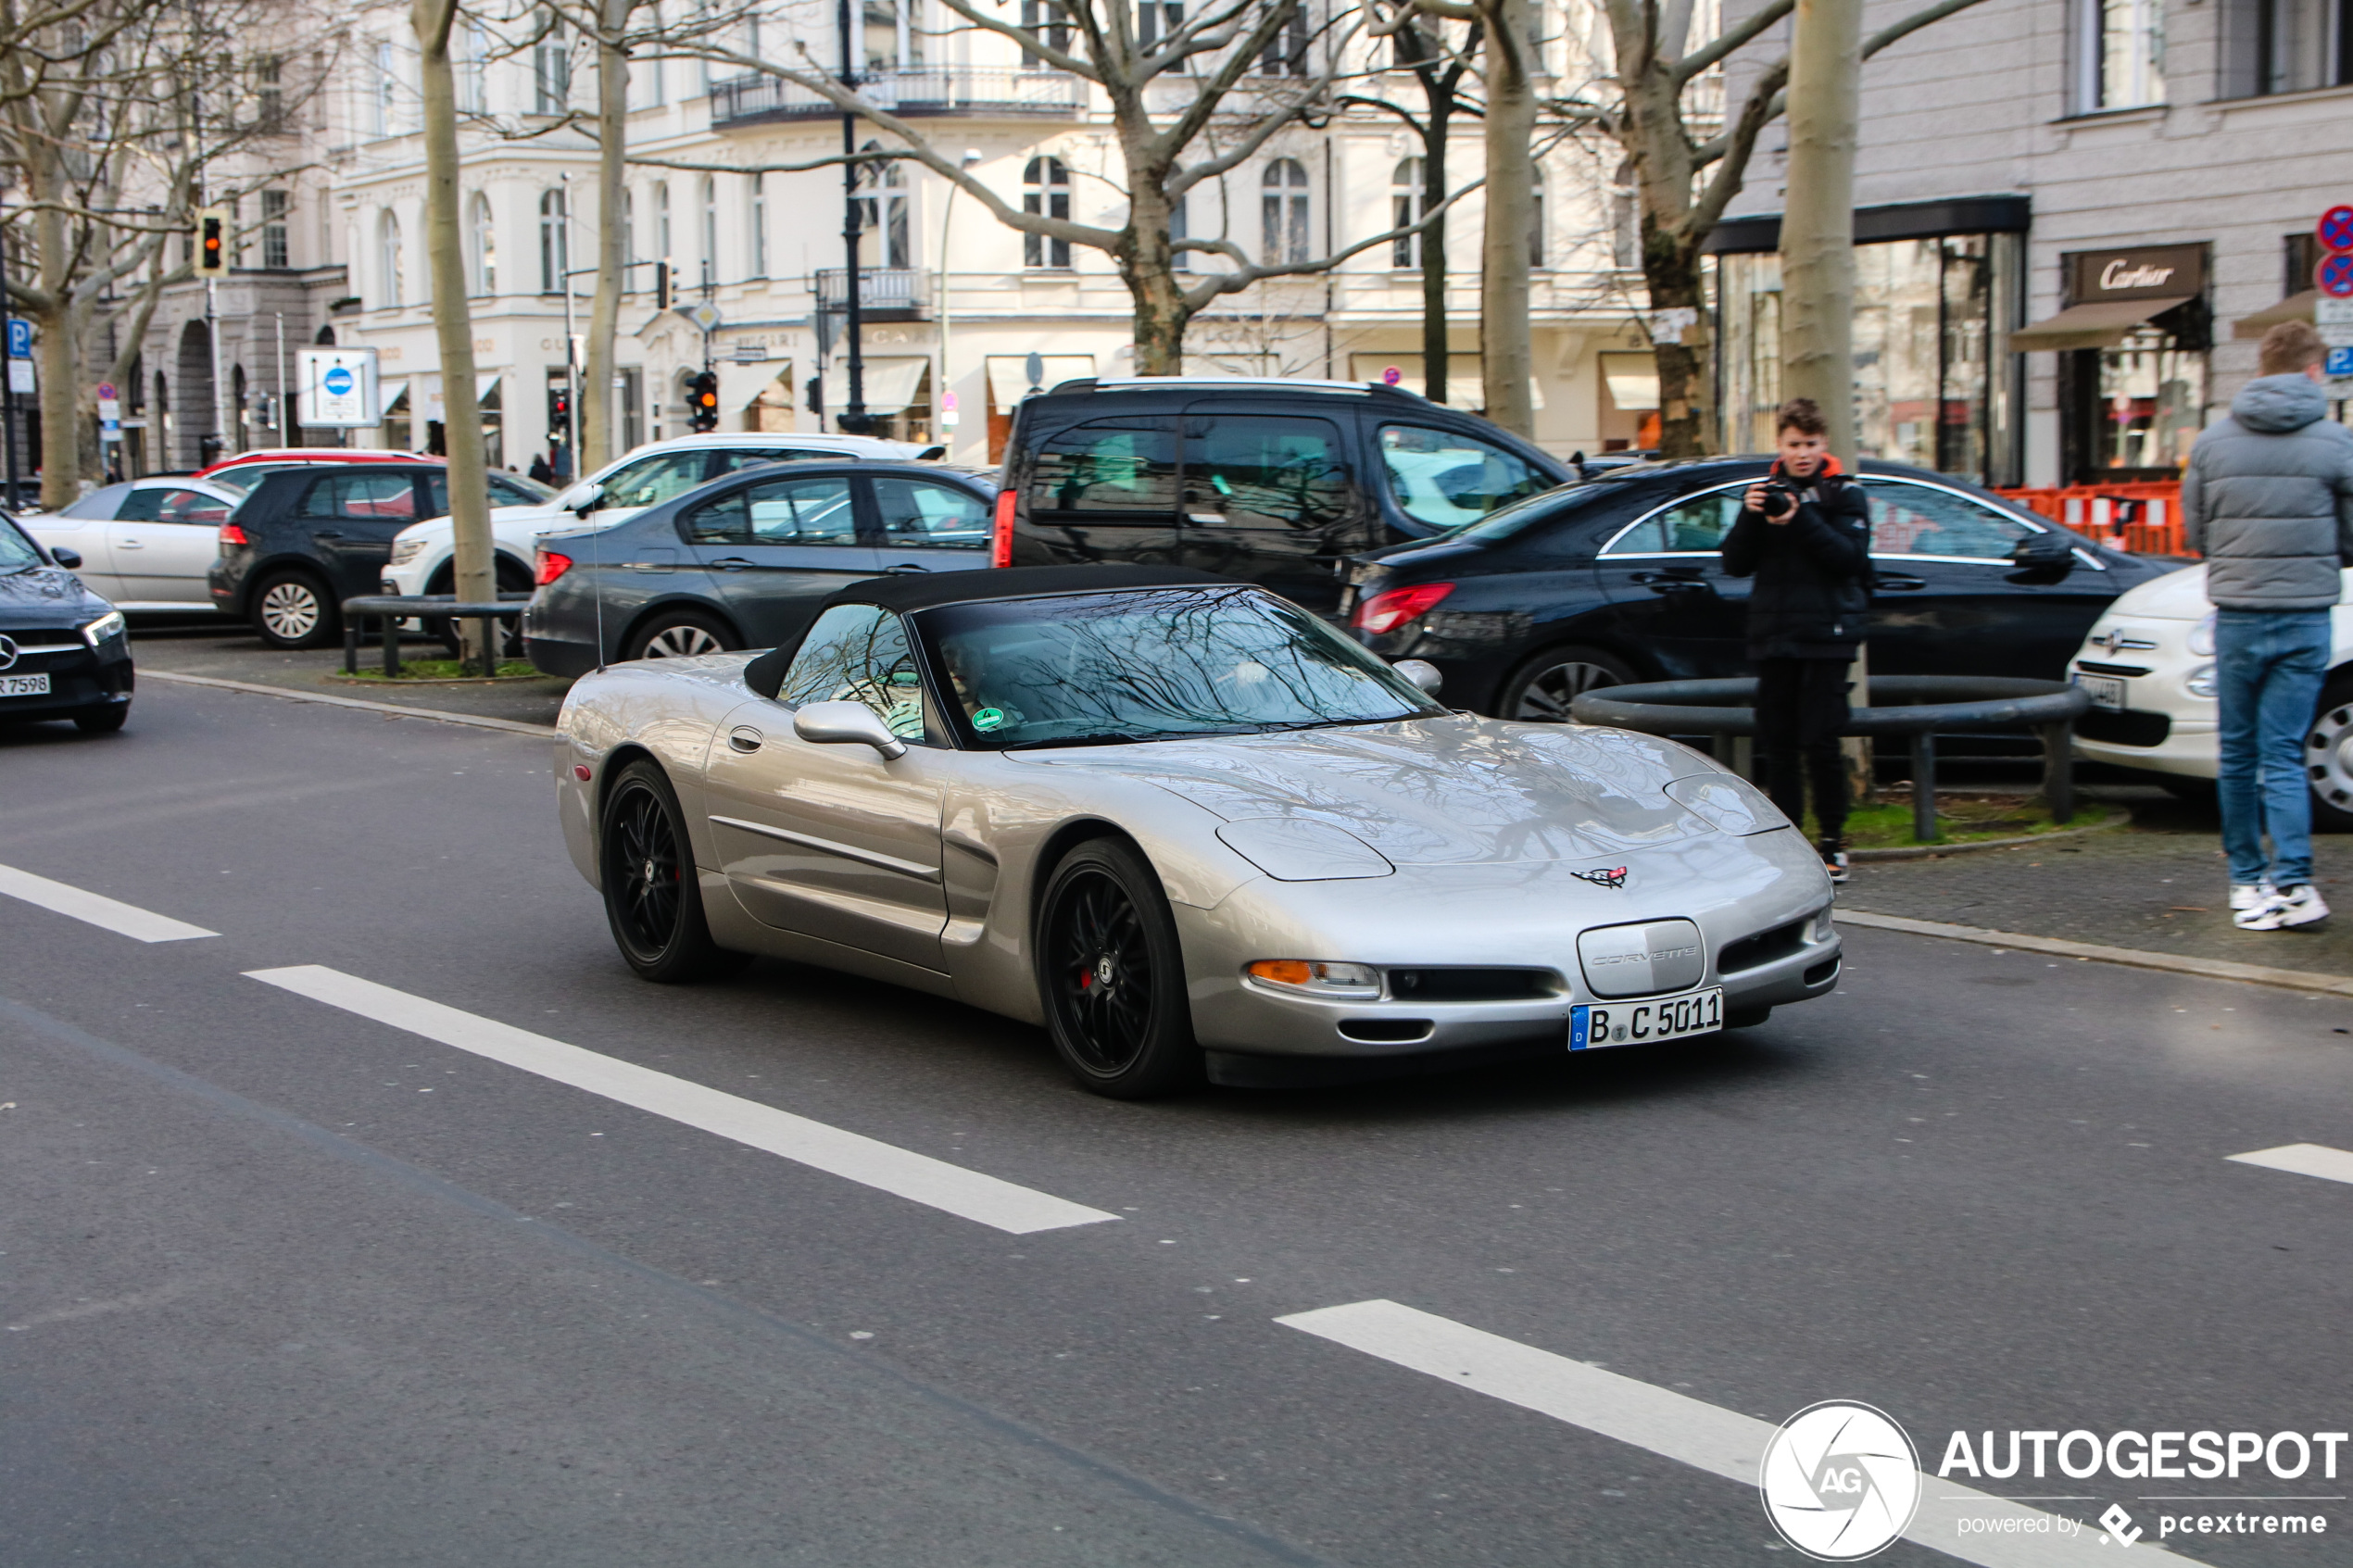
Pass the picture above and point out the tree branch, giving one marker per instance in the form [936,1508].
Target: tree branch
[1708,54]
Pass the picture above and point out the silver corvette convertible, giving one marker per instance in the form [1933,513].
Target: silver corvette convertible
[1186,827]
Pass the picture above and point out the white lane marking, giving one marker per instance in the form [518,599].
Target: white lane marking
[2305,1159]
[128,920]
[1676,1426]
[919,1178]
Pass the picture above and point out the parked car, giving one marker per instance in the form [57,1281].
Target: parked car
[65,653]
[744,561]
[309,538]
[422,557]
[146,544]
[1275,482]
[2148,667]
[247,469]
[1620,580]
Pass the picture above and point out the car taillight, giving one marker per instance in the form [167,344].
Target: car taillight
[1001,543]
[232,535]
[551,567]
[1387,611]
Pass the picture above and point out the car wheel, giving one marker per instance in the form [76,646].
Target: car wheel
[1540,690]
[652,898]
[2328,757]
[1111,976]
[102,721]
[293,609]
[680,634]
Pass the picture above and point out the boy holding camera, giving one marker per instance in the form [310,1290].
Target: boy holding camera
[1805,534]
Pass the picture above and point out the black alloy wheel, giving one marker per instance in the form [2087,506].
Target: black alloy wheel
[1111,976]
[293,609]
[653,899]
[1540,690]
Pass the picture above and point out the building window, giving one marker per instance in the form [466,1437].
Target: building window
[1158,19]
[1409,198]
[1050,22]
[629,230]
[710,229]
[1286,53]
[275,251]
[1625,219]
[555,243]
[1180,227]
[387,83]
[2120,54]
[885,214]
[1044,189]
[483,237]
[1285,212]
[237,231]
[474,55]
[1536,218]
[661,220]
[759,225]
[2286,45]
[552,73]
[388,256]
[270,96]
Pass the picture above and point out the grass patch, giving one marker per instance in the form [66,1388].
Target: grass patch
[1886,823]
[443,670]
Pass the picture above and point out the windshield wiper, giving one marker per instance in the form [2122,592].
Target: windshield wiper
[1081,740]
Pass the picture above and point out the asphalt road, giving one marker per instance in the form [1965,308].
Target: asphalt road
[286,1284]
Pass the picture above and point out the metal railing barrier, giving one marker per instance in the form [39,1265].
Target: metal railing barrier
[391,609]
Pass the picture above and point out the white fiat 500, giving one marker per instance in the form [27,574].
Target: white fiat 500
[2148,666]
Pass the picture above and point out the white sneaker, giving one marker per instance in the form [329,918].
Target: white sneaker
[2250,895]
[2262,917]
[2299,905]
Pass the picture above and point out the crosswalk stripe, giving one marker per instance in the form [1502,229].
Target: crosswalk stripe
[1676,1427]
[852,1156]
[2304,1160]
[96,908]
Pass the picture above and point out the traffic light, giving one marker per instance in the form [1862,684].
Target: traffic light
[702,401]
[558,409]
[662,285]
[212,241]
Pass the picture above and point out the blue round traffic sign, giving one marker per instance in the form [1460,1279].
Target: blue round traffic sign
[2334,230]
[338,382]
[2334,276]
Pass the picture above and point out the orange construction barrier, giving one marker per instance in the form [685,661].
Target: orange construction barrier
[2144,518]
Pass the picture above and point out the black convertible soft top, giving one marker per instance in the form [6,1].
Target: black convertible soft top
[927,590]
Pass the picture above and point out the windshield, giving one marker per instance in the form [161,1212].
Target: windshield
[16,553]
[1523,514]
[1154,665]
[243,478]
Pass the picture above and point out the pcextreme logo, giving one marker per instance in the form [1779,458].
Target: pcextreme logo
[1840,1481]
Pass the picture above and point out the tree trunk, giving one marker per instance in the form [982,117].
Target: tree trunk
[598,399]
[1680,342]
[1148,270]
[1442,109]
[1817,222]
[60,434]
[1509,359]
[453,323]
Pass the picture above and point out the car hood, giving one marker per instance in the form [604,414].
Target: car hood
[1450,791]
[46,596]
[500,517]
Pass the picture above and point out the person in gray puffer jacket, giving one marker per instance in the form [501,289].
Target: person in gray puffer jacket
[2268,500]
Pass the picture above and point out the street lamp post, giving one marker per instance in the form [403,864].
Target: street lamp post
[853,416]
[947,219]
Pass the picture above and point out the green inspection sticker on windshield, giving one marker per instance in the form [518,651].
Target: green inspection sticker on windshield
[988,718]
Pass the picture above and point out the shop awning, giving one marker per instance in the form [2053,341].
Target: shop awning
[1465,377]
[391,395]
[2102,324]
[740,385]
[485,382]
[1008,375]
[1633,379]
[890,382]
[2295,307]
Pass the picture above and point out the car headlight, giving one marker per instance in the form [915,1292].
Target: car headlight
[406,550]
[1314,977]
[110,624]
[2202,642]
[2200,682]
[1822,926]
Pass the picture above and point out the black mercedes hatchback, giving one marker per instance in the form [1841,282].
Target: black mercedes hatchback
[1620,579]
[64,652]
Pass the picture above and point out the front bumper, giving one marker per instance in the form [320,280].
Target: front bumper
[79,682]
[2190,748]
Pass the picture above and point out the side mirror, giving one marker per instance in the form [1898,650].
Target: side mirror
[831,724]
[1422,672]
[2046,557]
[69,560]
[587,501]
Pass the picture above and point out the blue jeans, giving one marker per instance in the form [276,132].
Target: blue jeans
[2267,668]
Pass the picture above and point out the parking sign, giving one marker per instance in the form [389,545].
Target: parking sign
[19,339]
[2340,363]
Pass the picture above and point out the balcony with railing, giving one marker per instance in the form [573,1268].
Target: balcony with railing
[885,293]
[915,92]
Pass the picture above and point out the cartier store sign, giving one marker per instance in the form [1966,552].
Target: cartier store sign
[2144,272]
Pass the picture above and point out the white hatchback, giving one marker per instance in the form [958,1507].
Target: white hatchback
[646,477]
[2148,665]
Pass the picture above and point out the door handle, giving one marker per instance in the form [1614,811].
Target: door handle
[327,533]
[904,566]
[732,563]
[129,545]
[744,738]
[1670,582]
[1900,584]
[1205,516]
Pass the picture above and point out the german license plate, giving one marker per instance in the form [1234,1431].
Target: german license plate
[2105,690]
[24,686]
[1592,1025]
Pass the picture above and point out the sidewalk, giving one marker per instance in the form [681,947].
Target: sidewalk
[2159,885]
[233,653]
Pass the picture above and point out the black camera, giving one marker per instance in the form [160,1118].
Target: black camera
[1781,497]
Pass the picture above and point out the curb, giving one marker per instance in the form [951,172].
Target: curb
[1931,851]
[2134,957]
[413,682]
[479,721]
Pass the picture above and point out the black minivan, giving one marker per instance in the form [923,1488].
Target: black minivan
[1277,483]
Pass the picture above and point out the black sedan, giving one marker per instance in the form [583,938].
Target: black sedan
[1620,580]
[744,561]
[64,653]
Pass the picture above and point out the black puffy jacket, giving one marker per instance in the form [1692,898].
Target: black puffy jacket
[1813,593]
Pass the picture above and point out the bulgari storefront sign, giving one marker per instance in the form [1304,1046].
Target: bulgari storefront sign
[2145,272]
